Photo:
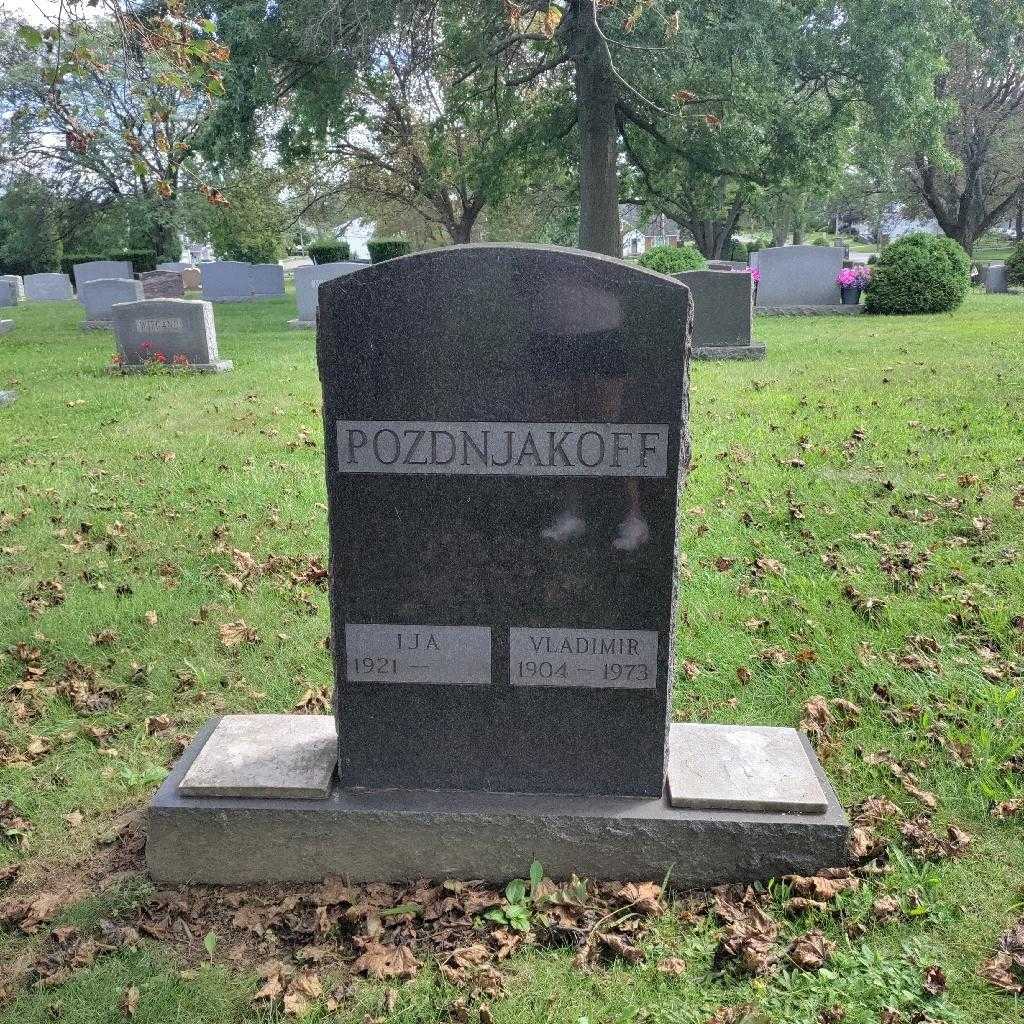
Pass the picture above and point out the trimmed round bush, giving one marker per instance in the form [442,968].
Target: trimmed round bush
[673,259]
[329,251]
[734,250]
[387,248]
[1015,265]
[920,273]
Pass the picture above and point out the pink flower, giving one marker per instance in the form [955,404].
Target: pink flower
[754,272]
[854,277]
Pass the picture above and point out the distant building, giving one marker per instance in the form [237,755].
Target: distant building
[639,235]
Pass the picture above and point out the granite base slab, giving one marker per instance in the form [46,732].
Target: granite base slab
[221,366]
[394,835]
[754,351]
[302,325]
[841,310]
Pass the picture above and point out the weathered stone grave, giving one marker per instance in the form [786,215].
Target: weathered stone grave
[723,314]
[48,287]
[307,287]
[12,290]
[227,281]
[162,284]
[506,439]
[101,270]
[267,280]
[996,280]
[190,274]
[99,295]
[798,278]
[178,333]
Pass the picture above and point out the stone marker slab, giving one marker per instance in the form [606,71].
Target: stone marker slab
[97,270]
[48,287]
[798,275]
[515,417]
[996,279]
[266,756]
[7,398]
[723,314]
[18,284]
[162,284]
[307,284]
[8,292]
[99,295]
[6,326]
[400,834]
[227,281]
[267,280]
[182,330]
[743,768]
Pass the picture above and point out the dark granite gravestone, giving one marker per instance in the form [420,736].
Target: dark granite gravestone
[177,333]
[515,417]
[723,314]
[163,284]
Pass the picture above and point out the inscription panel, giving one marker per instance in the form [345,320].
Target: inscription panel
[417,654]
[503,449]
[159,325]
[603,658]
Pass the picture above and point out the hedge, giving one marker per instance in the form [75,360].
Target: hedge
[387,248]
[329,252]
[673,259]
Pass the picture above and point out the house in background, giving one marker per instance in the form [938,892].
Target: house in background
[639,235]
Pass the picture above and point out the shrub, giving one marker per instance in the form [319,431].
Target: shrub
[756,245]
[329,251]
[920,273]
[1015,265]
[734,250]
[387,248]
[673,259]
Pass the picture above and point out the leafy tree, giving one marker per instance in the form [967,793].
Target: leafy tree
[29,237]
[983,85]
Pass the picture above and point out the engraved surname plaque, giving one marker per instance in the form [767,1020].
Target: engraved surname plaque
[459,655]
[503,449]
[625,658]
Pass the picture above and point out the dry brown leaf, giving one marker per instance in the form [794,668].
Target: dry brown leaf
[234,634]
[381,961]
[130,1000]
[672,965]
[812,951]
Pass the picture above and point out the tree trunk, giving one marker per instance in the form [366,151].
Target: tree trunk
[1018,226]
[596,94]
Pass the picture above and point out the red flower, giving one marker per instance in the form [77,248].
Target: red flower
[181,359]
[159,357]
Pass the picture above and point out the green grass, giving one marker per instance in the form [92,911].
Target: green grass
[855,440]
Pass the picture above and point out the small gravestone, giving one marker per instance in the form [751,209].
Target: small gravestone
[98,296]
[996,279]
[268,280]
[307,286]
[7,398]
[162,284]
[798,277]
[227,281]
[723,314]
[11,290]
[6,326]
[506,438]
[100,270]
[177,333]
[48,287]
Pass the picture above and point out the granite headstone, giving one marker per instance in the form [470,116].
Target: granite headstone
[174,332]
[99,295]
[723,305]
[515,417]
[18,283]
[267,280]
[227,281]
[163,284]
[798,275]
[996,279]
[8,292]
[307,285]
[97,270]
[48,287]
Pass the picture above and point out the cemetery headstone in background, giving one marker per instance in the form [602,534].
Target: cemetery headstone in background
[798,277]
[163,284]
[506,437]
[723,314]
[8,292]
[178,333]
[97,270]
[307,285]
[16,283]
[98,296]
[268,280]
[996,280]
[227,281]
[48,287]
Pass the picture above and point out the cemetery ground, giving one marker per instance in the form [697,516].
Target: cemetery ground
[852,542]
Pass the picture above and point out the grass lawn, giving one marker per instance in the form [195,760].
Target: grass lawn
[853,529]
